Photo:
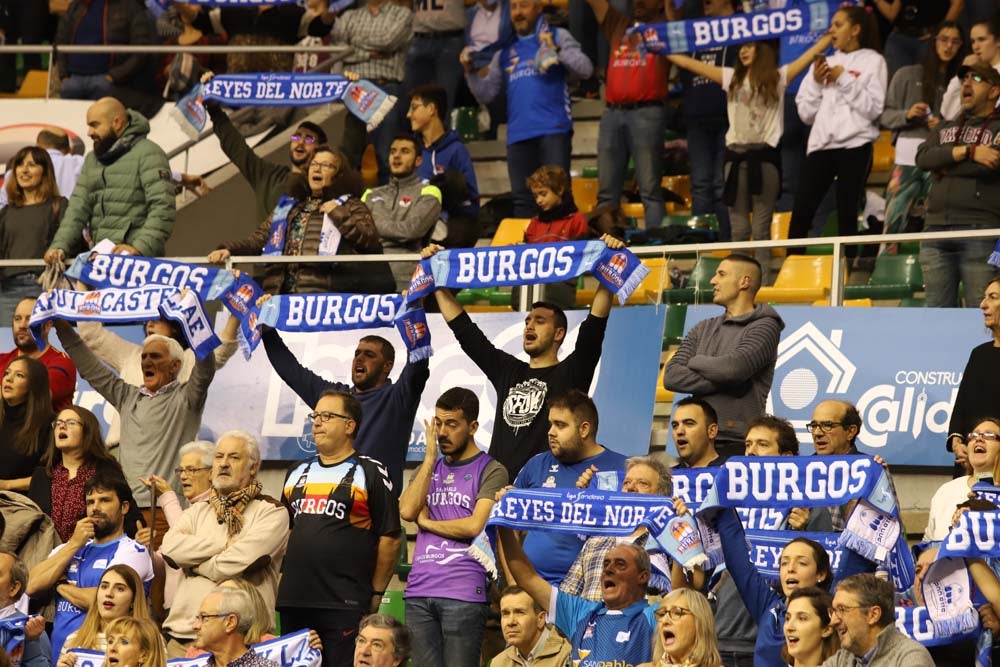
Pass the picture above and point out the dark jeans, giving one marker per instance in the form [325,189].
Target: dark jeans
[730,659]
[707,148]
[850,167]
[947,262]
[793,154]
[445,633]
[337,629]
[635,133]
[434,61]
[85,87]
[524,157]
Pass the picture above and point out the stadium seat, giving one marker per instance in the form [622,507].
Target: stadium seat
[393,605]
[585,194]
[847,303]
[664,395]
[647,290]
[802,279]
[698,288]
[884,154]
[403,567]
[467,123]
[894,277]
[633,210]
[680,186]
[780,223]
[369,167]
[673,330]
[35,84]
[510,231]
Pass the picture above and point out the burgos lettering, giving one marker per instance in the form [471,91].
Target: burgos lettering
[330,309]
[788,482]
[125,271]
[743,27]
[515,266]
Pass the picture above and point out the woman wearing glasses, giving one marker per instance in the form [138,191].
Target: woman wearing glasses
[975,396]
[809,637]
[74,454]
[321,214]
[685,632]
[120,594]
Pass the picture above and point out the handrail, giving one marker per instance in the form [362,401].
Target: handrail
[168,48]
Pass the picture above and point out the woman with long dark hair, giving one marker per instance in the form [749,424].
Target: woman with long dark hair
[809,637]
[25,421]
[984,41]
[912,110]
[755,90]
[842,98]
[27,223]
[76,451]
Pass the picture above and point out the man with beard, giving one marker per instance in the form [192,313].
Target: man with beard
[573,449]
[124,192]
[238,532]
[74,569]
[390,406]
[267,179]
[62,372]
[450,500]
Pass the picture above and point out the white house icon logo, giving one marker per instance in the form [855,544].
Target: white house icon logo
[801,356]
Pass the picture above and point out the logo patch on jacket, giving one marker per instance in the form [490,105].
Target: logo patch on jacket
[405,201]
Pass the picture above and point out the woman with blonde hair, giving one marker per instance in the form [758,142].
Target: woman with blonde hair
[135,642]
[119,595]
[685,632]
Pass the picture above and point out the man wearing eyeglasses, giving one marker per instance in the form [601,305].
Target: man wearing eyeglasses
[344,542]
[382,641]
[239,532]
[221,624]
[863,615]
[965,193]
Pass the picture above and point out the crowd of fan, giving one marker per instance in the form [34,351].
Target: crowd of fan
[105,548]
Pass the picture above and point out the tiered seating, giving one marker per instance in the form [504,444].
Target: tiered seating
[894,277]
[802,279]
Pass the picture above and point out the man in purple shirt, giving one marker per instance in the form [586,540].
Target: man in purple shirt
[450,500]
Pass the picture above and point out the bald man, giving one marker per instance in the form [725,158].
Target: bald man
[124,192]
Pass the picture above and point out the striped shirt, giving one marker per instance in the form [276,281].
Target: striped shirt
[380,38]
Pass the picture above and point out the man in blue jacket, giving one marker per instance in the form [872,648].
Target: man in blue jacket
[445,162]
[535,65]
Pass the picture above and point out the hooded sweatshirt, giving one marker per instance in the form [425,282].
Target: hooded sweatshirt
[729,362]
[125,195]
[965,192]
[448,152]
[405,211]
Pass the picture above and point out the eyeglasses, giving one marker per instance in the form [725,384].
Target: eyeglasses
[675,613]
[325,165]
[324,417]
[988,437]
[416,105]
[826,427]
[377,645]
[841,609]
[190,471]
[972,76]
[305,138]
[951,41]
[66,422]
[201,618]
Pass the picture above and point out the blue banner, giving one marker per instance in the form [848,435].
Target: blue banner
[877,359]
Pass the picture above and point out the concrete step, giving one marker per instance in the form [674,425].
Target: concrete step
[584,143]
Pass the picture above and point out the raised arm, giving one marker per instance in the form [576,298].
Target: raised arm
[710,72]
[522,570]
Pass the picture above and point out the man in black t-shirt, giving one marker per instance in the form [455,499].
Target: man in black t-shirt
[522,388]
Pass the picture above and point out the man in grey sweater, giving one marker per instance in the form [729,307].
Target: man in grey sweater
[729,360]
[157,417]
[863,615]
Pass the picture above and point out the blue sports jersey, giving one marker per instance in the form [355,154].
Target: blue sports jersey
[85,571]
[552,554]
[603,637]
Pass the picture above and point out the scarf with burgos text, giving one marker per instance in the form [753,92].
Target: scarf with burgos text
[712,32]
[509,266]
[343,312]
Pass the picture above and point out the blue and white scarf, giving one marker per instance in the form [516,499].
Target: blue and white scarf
[605,513]
[105,270]
[916,623]
[291,650]
[329,238]
[12,637]
[994,258]
[362,98]
[786,482]
[508,266]
[88,658]
[947,586]
[710,32]
[343,312]
[138,304]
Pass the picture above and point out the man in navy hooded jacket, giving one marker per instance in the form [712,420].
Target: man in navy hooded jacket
[535,65]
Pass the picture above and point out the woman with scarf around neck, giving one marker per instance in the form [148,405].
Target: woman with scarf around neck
[809,637]
[25,421]
[685,634]
[755,93]
[330,190]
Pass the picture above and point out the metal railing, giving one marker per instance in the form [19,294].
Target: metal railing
[838,244]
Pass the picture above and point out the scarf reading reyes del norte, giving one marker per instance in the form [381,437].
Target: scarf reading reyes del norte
[342,312]
[508,266]
[698,34]
[362,98]
[606,513]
